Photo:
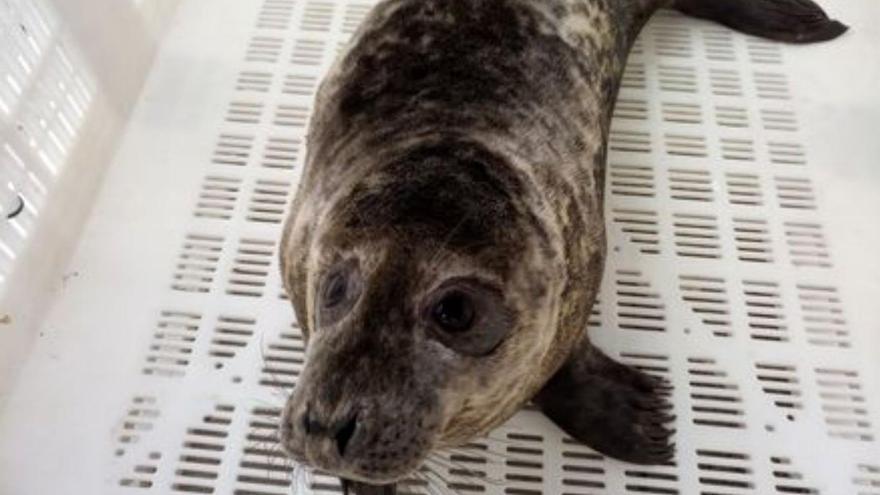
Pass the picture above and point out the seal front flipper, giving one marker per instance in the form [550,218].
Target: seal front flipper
[795,21]
[617,410]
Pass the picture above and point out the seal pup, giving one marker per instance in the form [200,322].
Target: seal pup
[447,239]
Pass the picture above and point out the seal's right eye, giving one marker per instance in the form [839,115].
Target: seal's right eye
[455,312]
[334,290]
[338,292]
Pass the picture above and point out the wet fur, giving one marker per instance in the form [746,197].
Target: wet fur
[462,137]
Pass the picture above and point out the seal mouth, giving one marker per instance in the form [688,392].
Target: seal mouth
[350,487]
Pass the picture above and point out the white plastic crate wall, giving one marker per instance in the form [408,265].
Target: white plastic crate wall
[44,98]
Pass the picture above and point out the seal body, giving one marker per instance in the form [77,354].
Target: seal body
[447,239]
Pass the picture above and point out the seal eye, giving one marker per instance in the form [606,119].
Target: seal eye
[454,313]
[335,290]
[339,291]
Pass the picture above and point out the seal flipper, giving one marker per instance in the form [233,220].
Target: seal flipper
[795,21]
[615,409]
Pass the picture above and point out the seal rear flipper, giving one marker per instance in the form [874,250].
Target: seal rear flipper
[795,21]
[617,410]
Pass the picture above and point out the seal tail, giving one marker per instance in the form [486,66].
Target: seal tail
[794,21]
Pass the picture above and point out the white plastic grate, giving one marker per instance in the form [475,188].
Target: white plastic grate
[165,363]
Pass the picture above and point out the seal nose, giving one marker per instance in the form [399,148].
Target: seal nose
[341,431]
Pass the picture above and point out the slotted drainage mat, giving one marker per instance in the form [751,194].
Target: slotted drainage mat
[721,277]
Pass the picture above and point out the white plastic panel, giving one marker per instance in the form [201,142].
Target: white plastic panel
[44,97]
[170,347]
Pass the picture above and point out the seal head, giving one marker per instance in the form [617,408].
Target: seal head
[430,292]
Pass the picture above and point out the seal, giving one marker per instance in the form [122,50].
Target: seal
[447,238]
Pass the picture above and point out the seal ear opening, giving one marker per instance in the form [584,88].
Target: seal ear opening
[794,21]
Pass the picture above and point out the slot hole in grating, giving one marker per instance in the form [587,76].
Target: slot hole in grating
[715,398]
[681,113]
[141,417]
[781,385]
[782,153]
[823,316]
[250,267]
[197,263]
[634,76]
[263,468]
[299,85]
[631,180]
[266,49]
[731,116]
[354,15]
[672,39]
[307,52]
[696,236]
[707,298]
[724,472]
[844,406]
[738,149]
[650,363]
[291,116]
[744,189]
[764,311]
[639,306]
[867,479]
[631,109]
[244,112]
[795,193]
[771,85]
[217,197]
[233,149]
[657,481]
[753,240]
[762,51]
[281,153]
[639,227]
[256,81]
[317,16]
[268,202]
[718,43]
[788,479]
[690,185]
[725,82]
[685,145]
[231,334]
[275,14]
[524,463]
[202,452]
[778,120]
[282,360]
[807,245]
[629,141]
[677,79]
[171,347]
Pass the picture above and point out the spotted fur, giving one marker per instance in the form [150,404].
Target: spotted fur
[460,138]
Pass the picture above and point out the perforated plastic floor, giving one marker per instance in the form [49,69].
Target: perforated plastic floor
[170,346]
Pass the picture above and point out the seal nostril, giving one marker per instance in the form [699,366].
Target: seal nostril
[343,436]
[309,425]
